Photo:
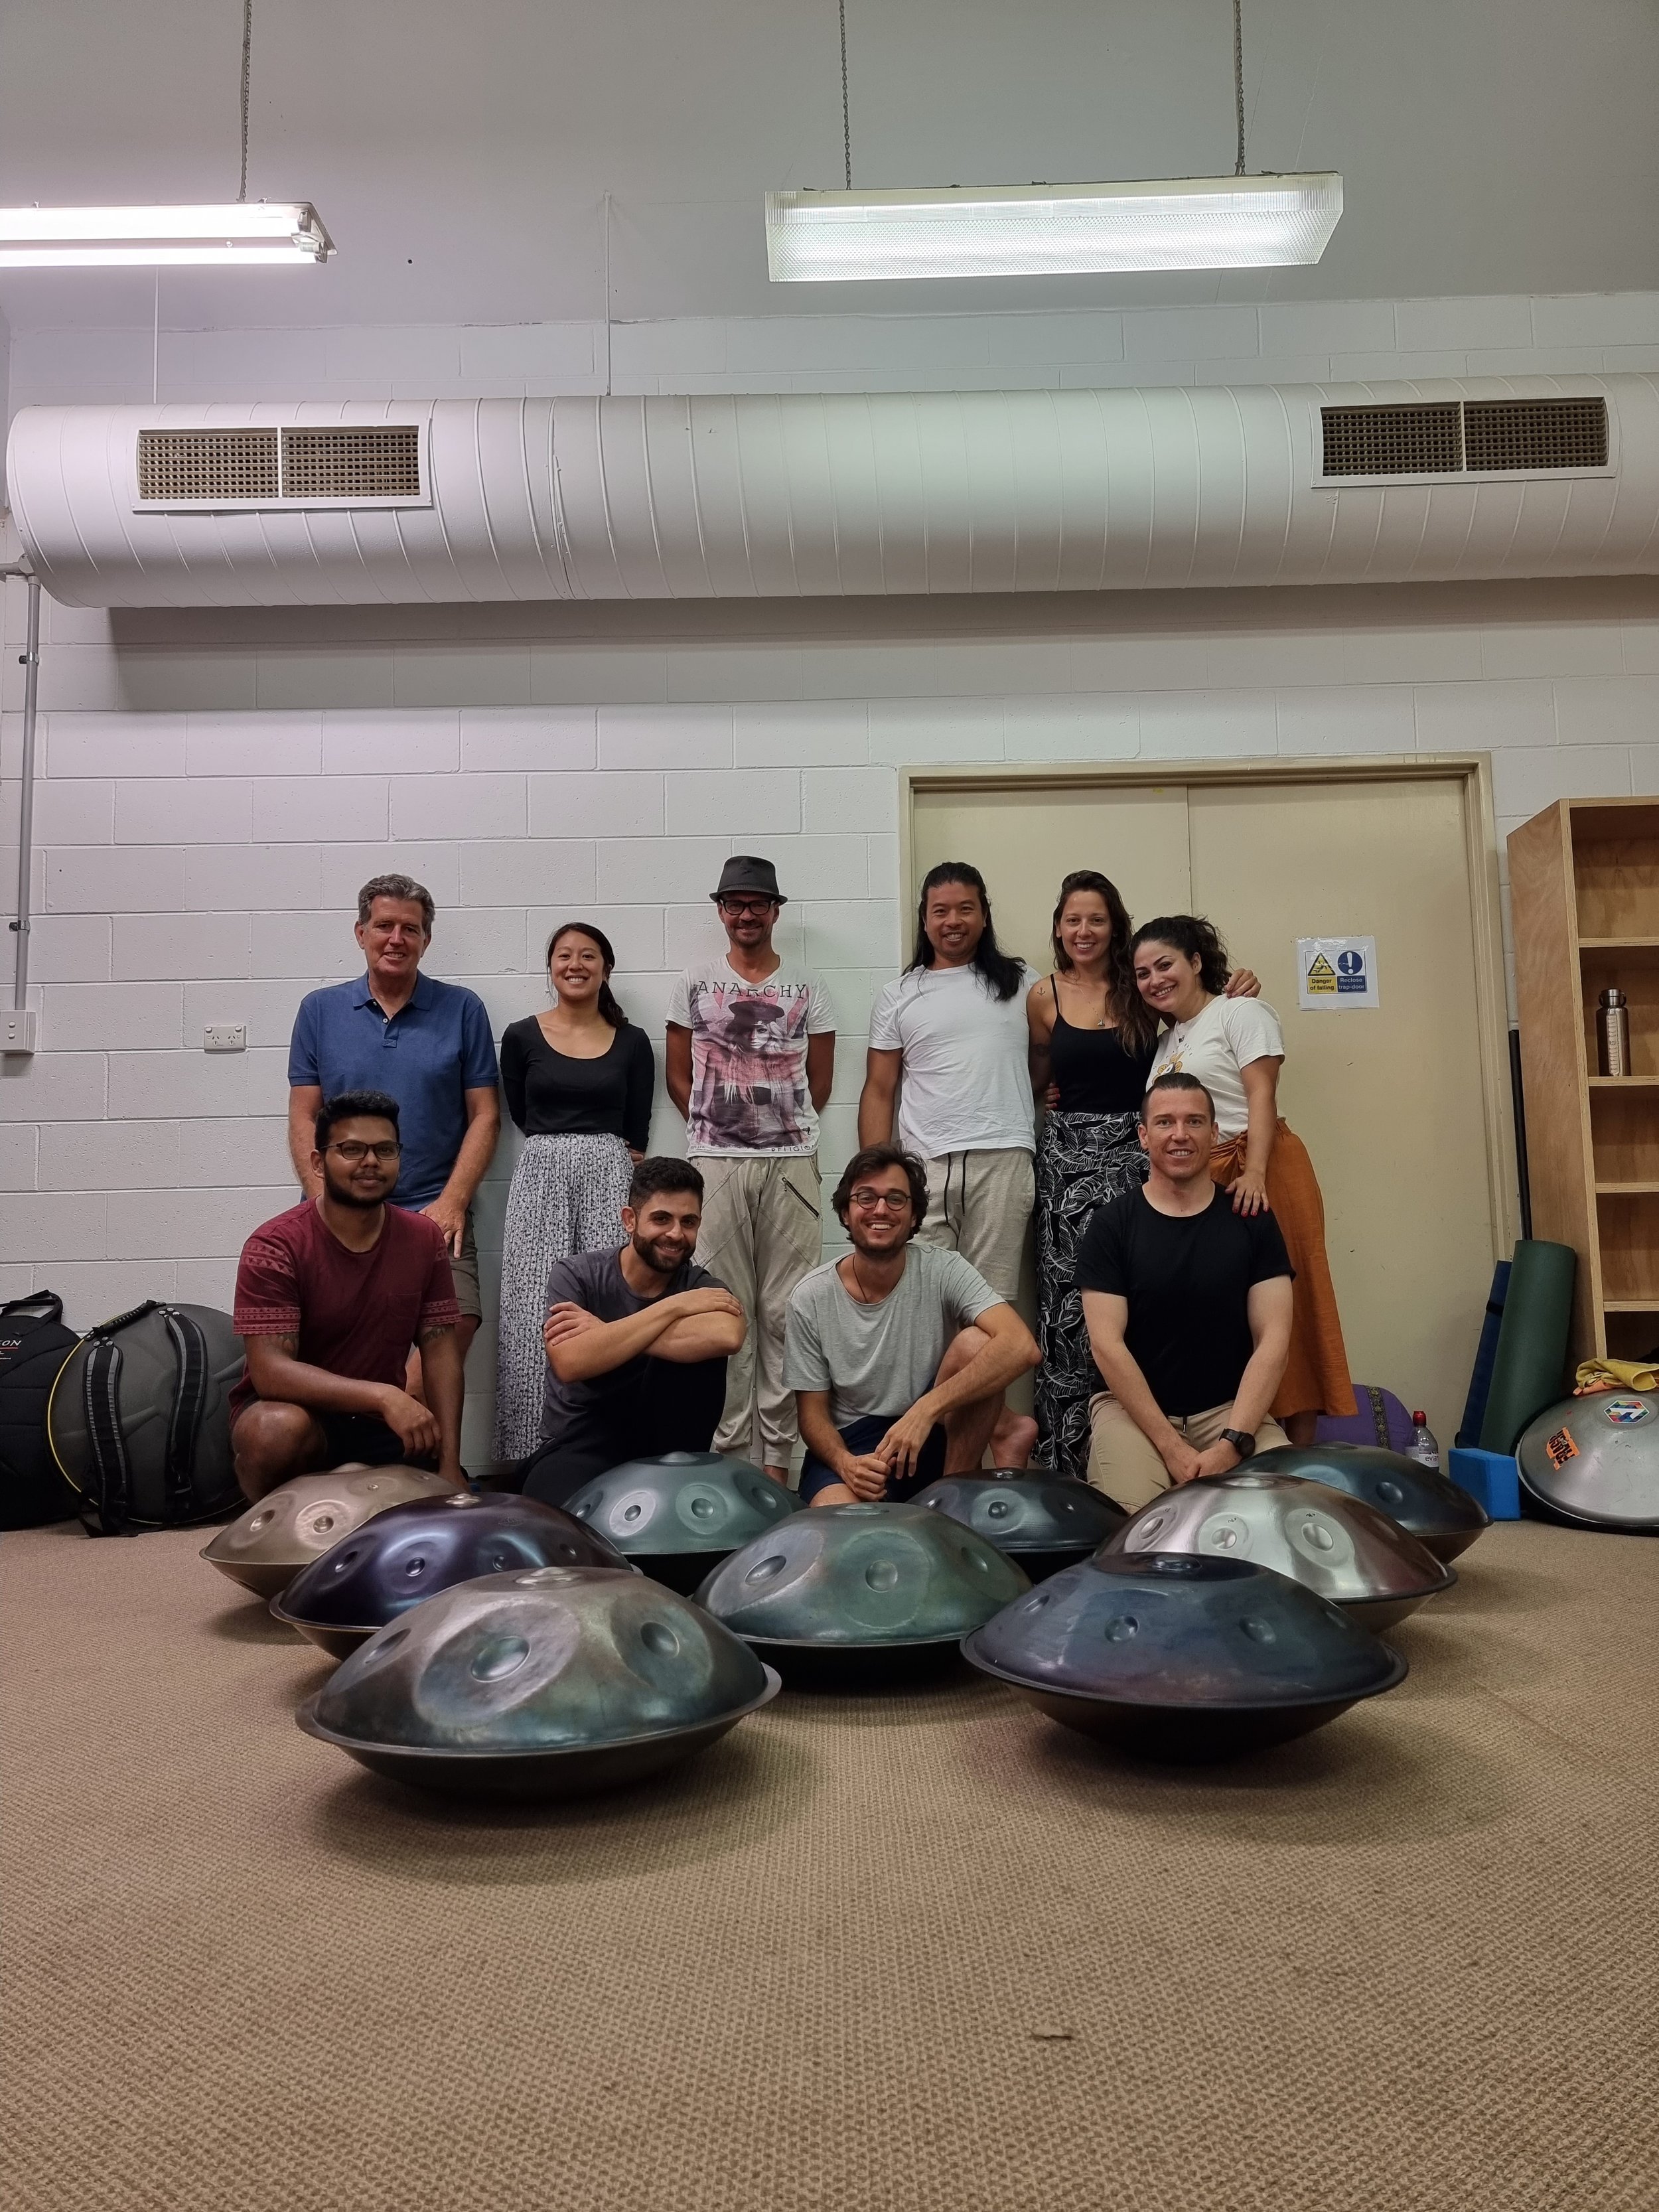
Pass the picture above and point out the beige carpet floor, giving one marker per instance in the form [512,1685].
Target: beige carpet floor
[928,1954]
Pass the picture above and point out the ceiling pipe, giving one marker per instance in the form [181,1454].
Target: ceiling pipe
[811,495]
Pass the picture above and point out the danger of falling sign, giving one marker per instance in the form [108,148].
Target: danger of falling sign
[1335,974]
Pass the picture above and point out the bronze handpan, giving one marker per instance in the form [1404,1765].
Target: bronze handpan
[1338,1546]
[1596,1460]
[1176,1657]
[294,1524]
[550,1683]
[676,1517]
[405,1554]
[1043,1521]
[853,1596]
[1427,1504]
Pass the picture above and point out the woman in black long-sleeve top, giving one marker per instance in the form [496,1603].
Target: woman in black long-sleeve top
[578,1080]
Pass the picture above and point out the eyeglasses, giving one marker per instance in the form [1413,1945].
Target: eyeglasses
[740,909]
[875,1201]
[353,1154]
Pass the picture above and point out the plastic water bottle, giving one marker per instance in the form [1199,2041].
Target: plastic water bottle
[1423,1448]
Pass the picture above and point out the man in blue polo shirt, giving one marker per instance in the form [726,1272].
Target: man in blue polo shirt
[429,1045]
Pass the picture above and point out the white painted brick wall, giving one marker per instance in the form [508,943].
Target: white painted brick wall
[199,854]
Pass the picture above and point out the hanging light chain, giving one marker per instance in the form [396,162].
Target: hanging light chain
[247,59]
[846,125]
[1238,79]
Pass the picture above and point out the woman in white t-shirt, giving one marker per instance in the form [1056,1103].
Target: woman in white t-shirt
[1236,1047]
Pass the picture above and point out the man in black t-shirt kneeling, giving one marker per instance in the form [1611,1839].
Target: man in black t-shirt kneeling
[637,1342]
[1188,1304]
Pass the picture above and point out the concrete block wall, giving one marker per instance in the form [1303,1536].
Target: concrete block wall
[213,789]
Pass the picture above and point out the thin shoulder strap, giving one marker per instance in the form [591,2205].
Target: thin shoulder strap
[1055,987]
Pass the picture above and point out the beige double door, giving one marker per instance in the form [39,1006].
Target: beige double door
[1394,1104]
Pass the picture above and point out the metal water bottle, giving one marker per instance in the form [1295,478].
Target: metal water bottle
[1612,1032]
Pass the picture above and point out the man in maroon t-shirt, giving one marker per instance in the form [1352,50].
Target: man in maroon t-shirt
[330,1296]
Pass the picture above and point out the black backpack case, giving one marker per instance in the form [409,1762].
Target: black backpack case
[33,1346]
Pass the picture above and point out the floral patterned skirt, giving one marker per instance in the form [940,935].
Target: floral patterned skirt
[1083,1160]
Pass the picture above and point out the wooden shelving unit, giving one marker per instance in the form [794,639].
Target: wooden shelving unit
[1585,884]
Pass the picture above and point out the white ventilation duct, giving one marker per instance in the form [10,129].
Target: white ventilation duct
[810,495]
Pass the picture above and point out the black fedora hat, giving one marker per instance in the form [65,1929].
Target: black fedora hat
[745,873]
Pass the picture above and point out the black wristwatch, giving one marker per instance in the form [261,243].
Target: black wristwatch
[1241,1442]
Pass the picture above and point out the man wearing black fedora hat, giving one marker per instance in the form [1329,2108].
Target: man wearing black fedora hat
[752,1054]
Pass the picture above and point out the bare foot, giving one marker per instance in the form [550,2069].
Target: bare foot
[1013,1440]
[1299,1428]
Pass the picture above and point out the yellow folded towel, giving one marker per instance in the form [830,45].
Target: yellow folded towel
[1615,1375]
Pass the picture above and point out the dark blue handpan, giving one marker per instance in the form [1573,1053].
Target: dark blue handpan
[1176,1657]
[551,1683]
[408,1553]
[1043,1521]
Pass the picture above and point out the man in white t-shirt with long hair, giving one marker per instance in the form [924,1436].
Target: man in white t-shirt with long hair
[949,1078]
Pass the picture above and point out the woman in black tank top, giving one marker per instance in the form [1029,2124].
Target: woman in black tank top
[1093,1041]
[1092,1053]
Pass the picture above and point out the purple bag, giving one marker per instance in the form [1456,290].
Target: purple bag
[1382,1419]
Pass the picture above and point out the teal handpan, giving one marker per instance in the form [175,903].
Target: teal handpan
[851,1594]
[677,1516]
[548,1683]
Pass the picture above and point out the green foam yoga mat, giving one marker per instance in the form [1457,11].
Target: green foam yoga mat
[1529,1371]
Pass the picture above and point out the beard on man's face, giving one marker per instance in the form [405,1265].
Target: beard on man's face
[664,1254]
[343,1192]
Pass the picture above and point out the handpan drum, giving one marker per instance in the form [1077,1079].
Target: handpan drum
[294,1524]
[1427,1504]
[850,1596]
[676,1517]
[551,1683]
[1596,1460]
[1043,1521]
[1179,1658]
[1338,1546]
[406,1554]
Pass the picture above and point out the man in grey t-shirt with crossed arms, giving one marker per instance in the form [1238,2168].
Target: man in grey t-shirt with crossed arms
[898,1354]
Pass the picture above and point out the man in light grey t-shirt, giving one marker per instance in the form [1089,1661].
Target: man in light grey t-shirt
[898,1354]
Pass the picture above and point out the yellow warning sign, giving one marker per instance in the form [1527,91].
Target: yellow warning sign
[1321,976]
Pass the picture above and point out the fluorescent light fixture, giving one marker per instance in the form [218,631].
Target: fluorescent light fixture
[246,235]
[1050,230]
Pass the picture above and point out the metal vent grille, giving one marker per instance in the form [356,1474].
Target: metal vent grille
[1392,441]
[208,464]
[1535,434]
[379,462]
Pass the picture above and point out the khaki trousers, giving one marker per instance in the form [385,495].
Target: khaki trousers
[762,1229]
[1125,1464]
[980,1204]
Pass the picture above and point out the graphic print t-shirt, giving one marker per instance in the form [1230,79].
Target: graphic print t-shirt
[749,1089]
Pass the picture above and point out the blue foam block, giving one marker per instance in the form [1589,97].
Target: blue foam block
[1492,1478]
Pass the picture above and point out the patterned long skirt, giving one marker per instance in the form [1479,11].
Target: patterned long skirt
[568,1195]
[1083,1160]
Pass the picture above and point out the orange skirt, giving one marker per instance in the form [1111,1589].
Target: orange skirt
[1316,1373]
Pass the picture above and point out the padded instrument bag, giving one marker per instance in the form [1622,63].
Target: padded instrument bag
[139,1420]
[35,1343]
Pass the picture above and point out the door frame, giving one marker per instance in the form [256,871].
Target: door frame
[1470,772]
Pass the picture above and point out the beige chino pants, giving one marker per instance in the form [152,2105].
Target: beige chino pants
[762,1229]
[980,1204]
[1124,1463]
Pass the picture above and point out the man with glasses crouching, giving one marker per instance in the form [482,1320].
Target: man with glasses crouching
[898,1354]
[330,1297]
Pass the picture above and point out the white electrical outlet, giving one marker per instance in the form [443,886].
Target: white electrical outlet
[17,1031]
[225,1037]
